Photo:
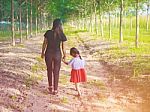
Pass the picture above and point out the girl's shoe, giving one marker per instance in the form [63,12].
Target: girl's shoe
[55,92]
[79,93]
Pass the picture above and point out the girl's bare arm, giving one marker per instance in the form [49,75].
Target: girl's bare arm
[65,62]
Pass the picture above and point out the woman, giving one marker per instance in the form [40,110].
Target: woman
[51,49]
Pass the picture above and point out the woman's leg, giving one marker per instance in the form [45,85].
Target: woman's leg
[48,60]
[57,65]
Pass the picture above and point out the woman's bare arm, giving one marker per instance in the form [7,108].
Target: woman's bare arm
[63,50]
[45,42]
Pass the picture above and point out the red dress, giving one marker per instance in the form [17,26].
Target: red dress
[78,72]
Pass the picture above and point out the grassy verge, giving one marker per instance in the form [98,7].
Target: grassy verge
[36,75]
[124,55]
[6,35]
[137,60]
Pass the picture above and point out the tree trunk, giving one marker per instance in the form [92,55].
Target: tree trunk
[147,20]
[95,17]
[12,27]
[125,23]
[101,26]
[27,20]
[31,19]
[82,20]
[39,22]
[85,21]
[113,22]
[121,13]
[90,23]
[1,12]
[137,24]
[45,21]
[36,20]
[101,22]
[109,24]
[79,26]
[116,19]
[91,18]
[130,22]
[20,18]
[16,26]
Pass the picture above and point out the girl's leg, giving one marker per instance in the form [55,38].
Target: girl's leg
[77,88]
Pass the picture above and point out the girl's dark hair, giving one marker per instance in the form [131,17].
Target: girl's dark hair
[74,50]
[57,27]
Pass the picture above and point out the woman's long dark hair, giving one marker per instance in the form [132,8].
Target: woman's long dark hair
[57,28]
[74,50]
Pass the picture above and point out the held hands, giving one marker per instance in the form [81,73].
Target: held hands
[42,55]
[63,60]
[64,57]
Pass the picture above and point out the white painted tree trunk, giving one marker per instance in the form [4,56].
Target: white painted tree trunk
[147,20]
[31,19]
[27,20]
[12,22]
[121,14]
[20,18]
[137,24]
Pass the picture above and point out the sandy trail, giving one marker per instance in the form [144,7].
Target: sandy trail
[19,93]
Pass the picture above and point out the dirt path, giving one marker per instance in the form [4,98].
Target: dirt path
[23,84]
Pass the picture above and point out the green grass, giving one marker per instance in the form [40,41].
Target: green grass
[64,100]
[39,66]
[35,76]
[32,79]
[99,84]
[129,57]
[128,35]
[6,34]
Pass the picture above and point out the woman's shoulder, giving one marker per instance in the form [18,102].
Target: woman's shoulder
[49,31]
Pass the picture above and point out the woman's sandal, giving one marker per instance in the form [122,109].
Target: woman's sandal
[50,89]
[55,92]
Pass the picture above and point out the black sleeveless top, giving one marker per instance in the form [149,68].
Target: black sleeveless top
[54,42]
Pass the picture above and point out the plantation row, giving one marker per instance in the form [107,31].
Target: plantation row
[109,19]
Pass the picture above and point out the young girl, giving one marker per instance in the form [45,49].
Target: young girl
[77,73]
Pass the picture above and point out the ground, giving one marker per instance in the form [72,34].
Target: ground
[23,82]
